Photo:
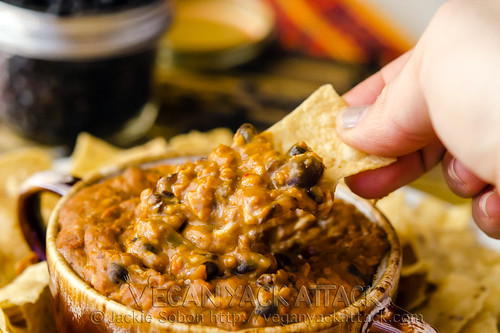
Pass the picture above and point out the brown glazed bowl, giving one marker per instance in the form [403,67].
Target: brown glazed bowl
[80,308]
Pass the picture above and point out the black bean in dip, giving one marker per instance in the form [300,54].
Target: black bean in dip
[211,269]
[117,273]
[306,171]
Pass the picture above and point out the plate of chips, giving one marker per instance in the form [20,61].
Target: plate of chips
[450,268]
[449,273]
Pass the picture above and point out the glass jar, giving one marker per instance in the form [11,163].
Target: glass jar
[67,70]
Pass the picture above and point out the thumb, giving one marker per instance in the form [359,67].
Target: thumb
[396,124]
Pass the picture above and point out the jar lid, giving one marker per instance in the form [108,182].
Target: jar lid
[216,34]
[46,36]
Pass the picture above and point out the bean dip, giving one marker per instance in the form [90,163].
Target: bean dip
[245,237]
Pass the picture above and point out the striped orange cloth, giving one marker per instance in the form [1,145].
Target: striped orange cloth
[346,30]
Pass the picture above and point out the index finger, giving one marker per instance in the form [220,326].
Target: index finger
[380,182]
[366,92]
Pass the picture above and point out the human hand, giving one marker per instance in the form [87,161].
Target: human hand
[440,101]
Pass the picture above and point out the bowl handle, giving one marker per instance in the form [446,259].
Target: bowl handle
[28,205]
[393,319]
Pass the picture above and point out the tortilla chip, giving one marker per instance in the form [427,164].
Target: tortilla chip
[18,165]
[9,140]
[435,229]
[314,122]
[484,322]
[92,154]
[3,322]
[15,168]
[153,147]
[26,302]
[198,143]
[446,246]
[491,276]
[443,215]
[420,267]
[12,244]
[395,208]
[457,299]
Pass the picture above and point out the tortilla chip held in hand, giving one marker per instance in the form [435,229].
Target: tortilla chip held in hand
[315,123]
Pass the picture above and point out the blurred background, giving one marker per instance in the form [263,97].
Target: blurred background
[309,43]
[220,63]
[159,68]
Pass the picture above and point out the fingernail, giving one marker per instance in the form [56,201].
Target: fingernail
[483,202]
[352,115]
[452,172]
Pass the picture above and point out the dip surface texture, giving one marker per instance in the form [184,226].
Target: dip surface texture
[242,238]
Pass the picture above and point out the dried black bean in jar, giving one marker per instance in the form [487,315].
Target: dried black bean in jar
[77,7]
[53,101]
